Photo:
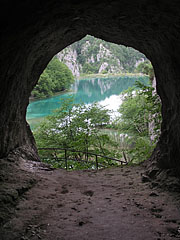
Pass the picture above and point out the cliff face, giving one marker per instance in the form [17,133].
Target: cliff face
[92,55]
[69,57]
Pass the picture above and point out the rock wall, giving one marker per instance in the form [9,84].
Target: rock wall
[153,134]
[70,59]
[92,55]
[32,32]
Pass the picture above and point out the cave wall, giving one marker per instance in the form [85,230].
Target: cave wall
[33,31]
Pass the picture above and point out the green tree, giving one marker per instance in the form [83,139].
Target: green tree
[134,114]
[44,86]
[55,78]
[146,68]
[77,126]
[137,109]
[90,68]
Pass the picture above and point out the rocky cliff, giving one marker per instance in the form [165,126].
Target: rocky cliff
[92,55]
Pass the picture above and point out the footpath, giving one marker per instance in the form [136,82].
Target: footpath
[109,204]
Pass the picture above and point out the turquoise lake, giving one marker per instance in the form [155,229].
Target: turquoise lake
[106,91]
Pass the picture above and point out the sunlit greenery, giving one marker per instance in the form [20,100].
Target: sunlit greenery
[55,78]
[140,107]
[146,68]
[81,127]
[78,127]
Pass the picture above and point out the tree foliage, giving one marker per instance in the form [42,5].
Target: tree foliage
[139,108]
[146,68]
[77,126]
[55,78]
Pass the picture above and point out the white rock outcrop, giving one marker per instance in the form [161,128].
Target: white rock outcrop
[69,57]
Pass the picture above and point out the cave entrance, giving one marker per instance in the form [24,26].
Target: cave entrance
[103,71]
[38,32]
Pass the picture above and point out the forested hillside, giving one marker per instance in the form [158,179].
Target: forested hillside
[87,56]
[55,78]
[92,55]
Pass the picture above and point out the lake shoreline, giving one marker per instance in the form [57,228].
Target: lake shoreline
[32,99]
[105,91]
[87,77]
[108,75]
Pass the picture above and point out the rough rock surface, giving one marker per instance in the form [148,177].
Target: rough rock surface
[70,59]
[33,31]
[95,55]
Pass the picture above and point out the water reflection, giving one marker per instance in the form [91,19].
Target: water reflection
[103,90]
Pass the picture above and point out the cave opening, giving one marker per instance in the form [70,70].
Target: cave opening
[36,35]
[103,71]
[32,32]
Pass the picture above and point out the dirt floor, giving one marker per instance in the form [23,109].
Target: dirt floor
[110,204]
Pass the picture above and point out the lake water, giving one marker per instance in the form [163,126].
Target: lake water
[106,91]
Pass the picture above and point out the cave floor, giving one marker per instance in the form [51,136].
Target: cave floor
[105,205]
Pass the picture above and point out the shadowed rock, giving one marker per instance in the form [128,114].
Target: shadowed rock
[32,32]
